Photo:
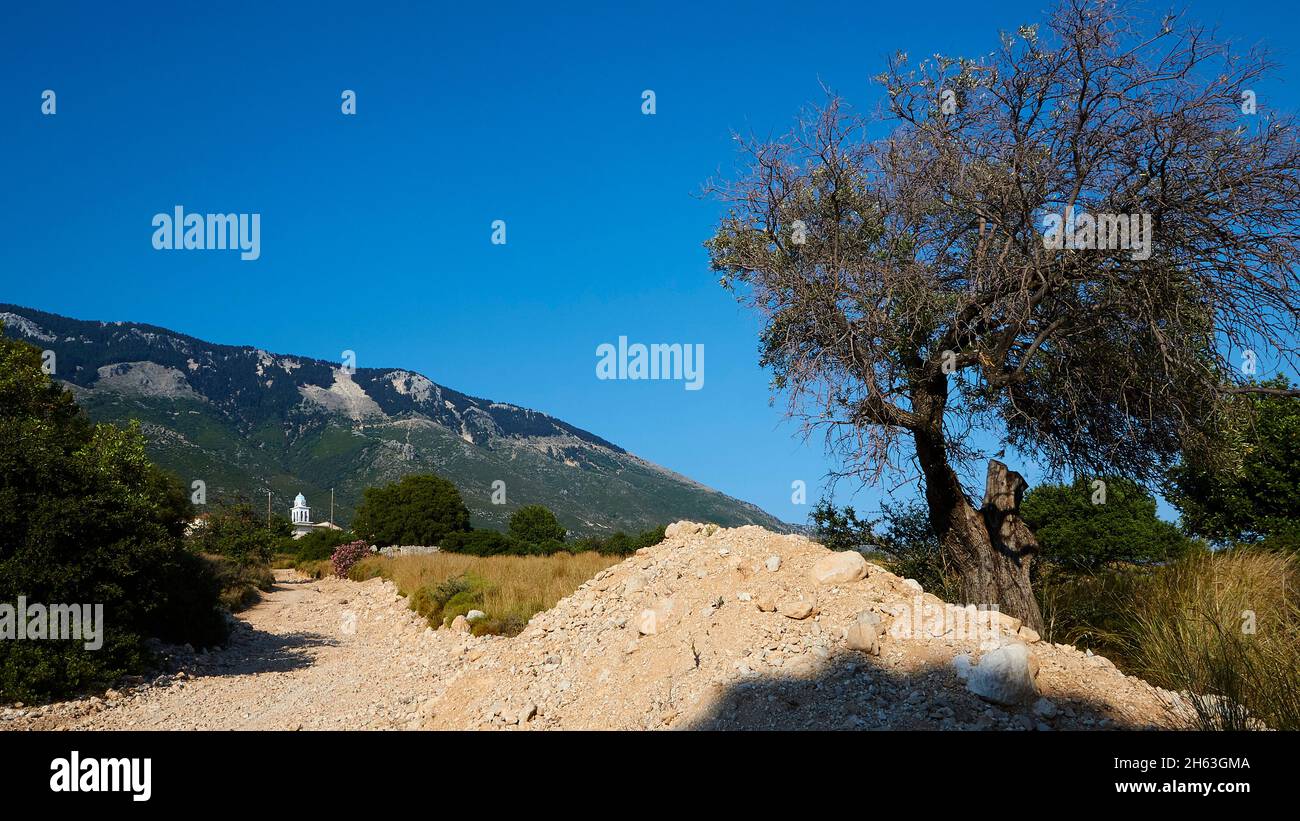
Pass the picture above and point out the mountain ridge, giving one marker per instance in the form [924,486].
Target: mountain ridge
[245,420]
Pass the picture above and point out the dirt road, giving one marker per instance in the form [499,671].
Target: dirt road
[312,654]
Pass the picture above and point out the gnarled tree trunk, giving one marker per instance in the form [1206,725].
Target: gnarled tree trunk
[992,547]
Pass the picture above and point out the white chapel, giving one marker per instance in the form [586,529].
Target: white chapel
[300,517]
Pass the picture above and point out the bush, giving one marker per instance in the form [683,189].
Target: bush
[86,518]
[482,543]
[430,600]
[618,544]
[536,525]
[318,544]
[235,530]
[240,584]
[417,510]
[347,555]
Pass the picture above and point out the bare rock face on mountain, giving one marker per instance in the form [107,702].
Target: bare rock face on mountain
[707,631]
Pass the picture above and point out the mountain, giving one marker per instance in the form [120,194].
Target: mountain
[243,421]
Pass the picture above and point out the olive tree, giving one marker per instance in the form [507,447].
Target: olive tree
[1068,242]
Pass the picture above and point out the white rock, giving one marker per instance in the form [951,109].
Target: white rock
[773,563]
[475,615]
[913,584]
[839,568]
[1005,675]
[647,624]
[864,634]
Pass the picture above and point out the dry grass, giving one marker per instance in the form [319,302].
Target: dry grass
[1190,631]
[510,589]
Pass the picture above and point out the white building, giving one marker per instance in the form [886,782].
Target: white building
[300,517]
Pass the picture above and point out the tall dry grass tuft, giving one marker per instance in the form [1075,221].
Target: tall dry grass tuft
[1191,630]
[510,589]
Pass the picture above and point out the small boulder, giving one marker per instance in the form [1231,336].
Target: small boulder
[475,615]
[865,632]
[797,608]
[1004,676]
[773,564]
[1029,635]
[766,602]
[839,568]
[460,624]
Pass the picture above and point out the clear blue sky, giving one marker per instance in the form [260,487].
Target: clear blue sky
[376,228]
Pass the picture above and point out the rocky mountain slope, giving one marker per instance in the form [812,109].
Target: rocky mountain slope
[712,629]
[244,420]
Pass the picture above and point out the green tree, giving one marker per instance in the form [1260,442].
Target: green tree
[86,518]
[536,525]
[1251,493]
[417,510]
[1085,526]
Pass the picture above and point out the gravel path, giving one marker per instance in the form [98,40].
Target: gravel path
[324,654]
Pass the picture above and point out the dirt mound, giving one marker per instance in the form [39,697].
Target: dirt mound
[742,628]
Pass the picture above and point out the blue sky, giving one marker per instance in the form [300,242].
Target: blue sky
[376,228]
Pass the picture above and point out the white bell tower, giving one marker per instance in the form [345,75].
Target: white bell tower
[301,514]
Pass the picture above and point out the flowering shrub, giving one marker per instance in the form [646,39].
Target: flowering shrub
[346,555]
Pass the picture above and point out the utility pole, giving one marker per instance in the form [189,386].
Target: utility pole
[331,505]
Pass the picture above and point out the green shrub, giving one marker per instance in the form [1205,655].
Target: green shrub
[235,530]
[618,544]
[239,583]
[536,525]
[430,600]
[482,543]
[86,518]
[318,544]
